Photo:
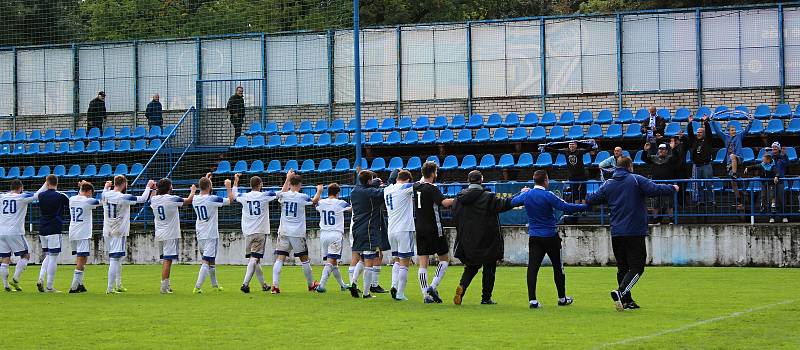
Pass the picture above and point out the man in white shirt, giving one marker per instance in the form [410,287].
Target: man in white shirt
[399,199]
[168,226]
[80,230]
[206,206]
[331,234]
[117,225]
[255,227]
[292,230]
[13,208]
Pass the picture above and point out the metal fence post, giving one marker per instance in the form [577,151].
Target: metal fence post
[357,80]
[264,79]
[331,53]
[135,83]
[469,69]
[399,34]
[76,87]
[781,53]
[699,54]
[198,87]
[619,63]
[15,107]
[542,64]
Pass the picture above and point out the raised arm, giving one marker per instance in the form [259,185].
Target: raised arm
[229,189]
[285,186]
[188,200]
[317,195]
[651,189]
[40,190]
[519,199]
[560,204]
[146,193]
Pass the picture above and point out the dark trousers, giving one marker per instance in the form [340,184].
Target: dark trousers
[537,248]
[631,255]
[237,126]
[489,270]
[94,122]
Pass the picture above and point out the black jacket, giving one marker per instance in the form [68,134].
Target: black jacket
[662,168]
[236,108]
[368,207]
[476,216]
[97,110]
[154,112]
[661,124]
[701,149]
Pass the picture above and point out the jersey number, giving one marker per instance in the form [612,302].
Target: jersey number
[290,209]
[77,214]
[329,217]
[162,215]
[9,207]
[255,207]
[202,212]
[112,210]
[389,202]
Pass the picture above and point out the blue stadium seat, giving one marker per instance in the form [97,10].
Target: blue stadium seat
[601,156]
[414,163]
[342,166]
[35,136]
[469,162]
[370,125]
[378,164]
[434,159]
[395,163]
[138,145]
[743,109]
[422,123]
[121,169]
[762,112]
[325,166]
[506,161]
[13,173]
[721,108]
[154,145]
[747,155]
[531,119]
[74,171]
[270,128]
[79,134]
[78,147]
[155,132]
[59,170]
[258,142]
[567,119]
[255,129]
[28,172]
[575,132]
[405,123]
[337,125]
[341,139]
[775,126]
[428,137]
[104,171]
[139,132]
[641,115]
[50,147]
[511,121]
[446,136]
[450,162]
[595,132]
[241,142]
[324,140]
[63,135]
[757,127]
[20,136]
[633,131]
[561,161]
[90,171]
[614,131]
[6,137]
[440,122]
[625,116]
[410,138]
[240,167]
[44,171]
[288,127]
[393,139]
[500,135]
[487,162]
[274,141]
[92,147]
[108,146]
[556,133]
[720,157]
[494,121]
[306,140]
[291,165]
[482,135]
[290,141]
[604,117]
[672,129]
[5,149]
[464,136]
[351,126]
[136,169]
[457,122]
[783,111]
[33,148]
[308,166]
[375,139]
[124,133]
[585,118]
[637,159]
[544,160]
[537,134]
[794,126]
[18,149]
[701,112]
[475,122]
[304,127]
[519,134]
[387,124]
[792,154]
[681,115]
[664,113]
[108,134]
[273,167]
[548,119]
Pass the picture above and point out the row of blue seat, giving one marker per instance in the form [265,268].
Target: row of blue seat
[110,133]
[91,170]
[79,147]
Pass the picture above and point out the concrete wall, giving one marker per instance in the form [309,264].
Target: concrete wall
[702,245]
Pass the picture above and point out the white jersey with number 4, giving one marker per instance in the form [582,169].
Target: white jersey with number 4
[13,208]
[205,208]
[167,219]
[293,213]
[80,215]
[399,200]
[331,214]
[255,211]
[117,212]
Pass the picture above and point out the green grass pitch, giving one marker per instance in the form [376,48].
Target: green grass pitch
[721,308]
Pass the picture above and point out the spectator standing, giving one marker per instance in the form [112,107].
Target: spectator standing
[781,164]
[654,127]
[96,114]
[733,155]
[662,167]
[701,155]
[235,108]
[575,167]
[154,112]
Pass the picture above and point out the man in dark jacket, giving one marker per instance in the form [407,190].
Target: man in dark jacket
[575,168]
[154,112]
[653,127]
[701,155]
[478,239]
[52,205]
[235,108]
[96,114]
[368,206]
[662,167]
[625,195]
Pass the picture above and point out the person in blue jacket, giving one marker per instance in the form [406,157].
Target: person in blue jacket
[368,206]
[733,155]
[625,194]
[540,204]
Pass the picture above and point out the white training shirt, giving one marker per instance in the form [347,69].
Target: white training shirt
[13,208]
[167,218]
[331,214]
[293,213]
[399,200]
[255,211]
[117,212]
[80,217]
[205,208]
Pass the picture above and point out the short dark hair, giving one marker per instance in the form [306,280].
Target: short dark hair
[204,183]
[52,180]
[768,156]
[429,169]
[163,186]
[333,189]
[295,180]
[120,180]
[624,162]
[87,187]
[404,175]
[365,176]
[474,177]
[539,177]
[16,184]
[255,181]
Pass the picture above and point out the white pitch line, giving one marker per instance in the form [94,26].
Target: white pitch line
[695,324]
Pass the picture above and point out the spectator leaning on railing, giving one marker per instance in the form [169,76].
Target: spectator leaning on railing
[575,167]
[701,154]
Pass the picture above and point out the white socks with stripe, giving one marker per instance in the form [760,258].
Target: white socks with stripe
[376,273]
[21,265]
[395,268]
[77,278]
[337,275]
[326,271]
[112,273]
[356,272]
[276,273]
[251,269]
[4,274]
[367,279]
[212,274]
[402,279]
[259,274]
[308,273]
[43,268]
[201,276]
[440,271]
[51,271]
[423,280]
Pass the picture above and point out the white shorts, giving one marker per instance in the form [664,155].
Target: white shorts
[15,244]
[402,243]
[169,249]
[116,246]
[82,247]
[208,248]
[51,244]
[331,243]
[288,244]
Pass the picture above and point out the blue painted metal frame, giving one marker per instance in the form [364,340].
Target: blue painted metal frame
[699,54]
[357,79]
[399,34]
[542,64]
[620,85]
[76,92]
[331,53]
[469,68]
[15,78]
[263,76]
[136,83]
[781,53]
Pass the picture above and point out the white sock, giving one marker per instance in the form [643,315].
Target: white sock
[251,269]
[80,278]
[337,275]
[402,279]
[356,272]
[326,271]
[165,285]
[440,271]
[43,268]
[21,265]
[367,279]
[534,302]
[276,273]
[259,274]
[51,271]
[395,268]
[350,270]
[423,280]
[76,279]
[112,273]
[4,274]
[118,273]
[307,272]
[376,274]
[201,276]
[212,274]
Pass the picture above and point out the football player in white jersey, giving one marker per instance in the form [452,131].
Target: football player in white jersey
[168,226]
[206,206]
[331,234]
[117,225]
[80,230]
[255,227]
[13,208]
[292,229]
[399,199]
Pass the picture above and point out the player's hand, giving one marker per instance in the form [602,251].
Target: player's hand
[647,146]
[227,183]
[776,180]
[208,176]
[705,117]
[319,188]
[236,177]
[676,188]
[691,118]
[524,189]
[193,189]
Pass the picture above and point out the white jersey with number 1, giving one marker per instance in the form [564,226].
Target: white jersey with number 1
[255,211]
[293,213]
[13,208]
[331,214]
[80,214]
[399,200]
[205,208]
[117,212]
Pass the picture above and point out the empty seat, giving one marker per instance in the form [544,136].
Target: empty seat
[487,162]
[625,116]
[633,131]
[290,141]
[79,147]
[482,135]
[393,138]
[672,129]
[337,125]
[548,119]
[495,120]
[440,122]
[464,136]
[537,134]
[434,159]
[446,136]
[291,165]
[585,118]
[124,133]
[20,136]
[255,129]
[422,123]
[794,126]
[155,132]
[561,161]
[154,145]
[306,140]
[139,132]
[637,159]
[604,117]
[28,172]
[544,160]
[457,122]
[500,135]
[720,157]
[13,173]
[18,149]
[79,134]
[288,127]
[387,124]
[308,166]
[90,171]
[791,153]
[511,121]
[410,138]
[6,137]
[450,162]
[475,122]
[530,119]
[273,167]
[256,167]
[681,115]
[566,119]
[304,127]
[601,156]
[782,111]
[33,148]
[757,127]
[414,163]
[44,171]
[469,162]
[775,126]
[104,171]
[375,139]
[370,125]
[274,141]
[556,133]
[747,155]
[64,135]
[121,169]
[50,148]
[519,134]
[664,113]
[139,145]
[378,164]
[762,112]
[109,133]
[428,137]
[575,132]
[241,142]
[341,139]
[92,147]
[35,136]
[240,167]
[395,163]
[108,146]
[701,112]
[325,166]
[595,132]
[641,115]
[351,125]
[323,140]
[270,128]
[74,171]
[405,123]
[342,165]
[94,134]
[506,161]
[614,131]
